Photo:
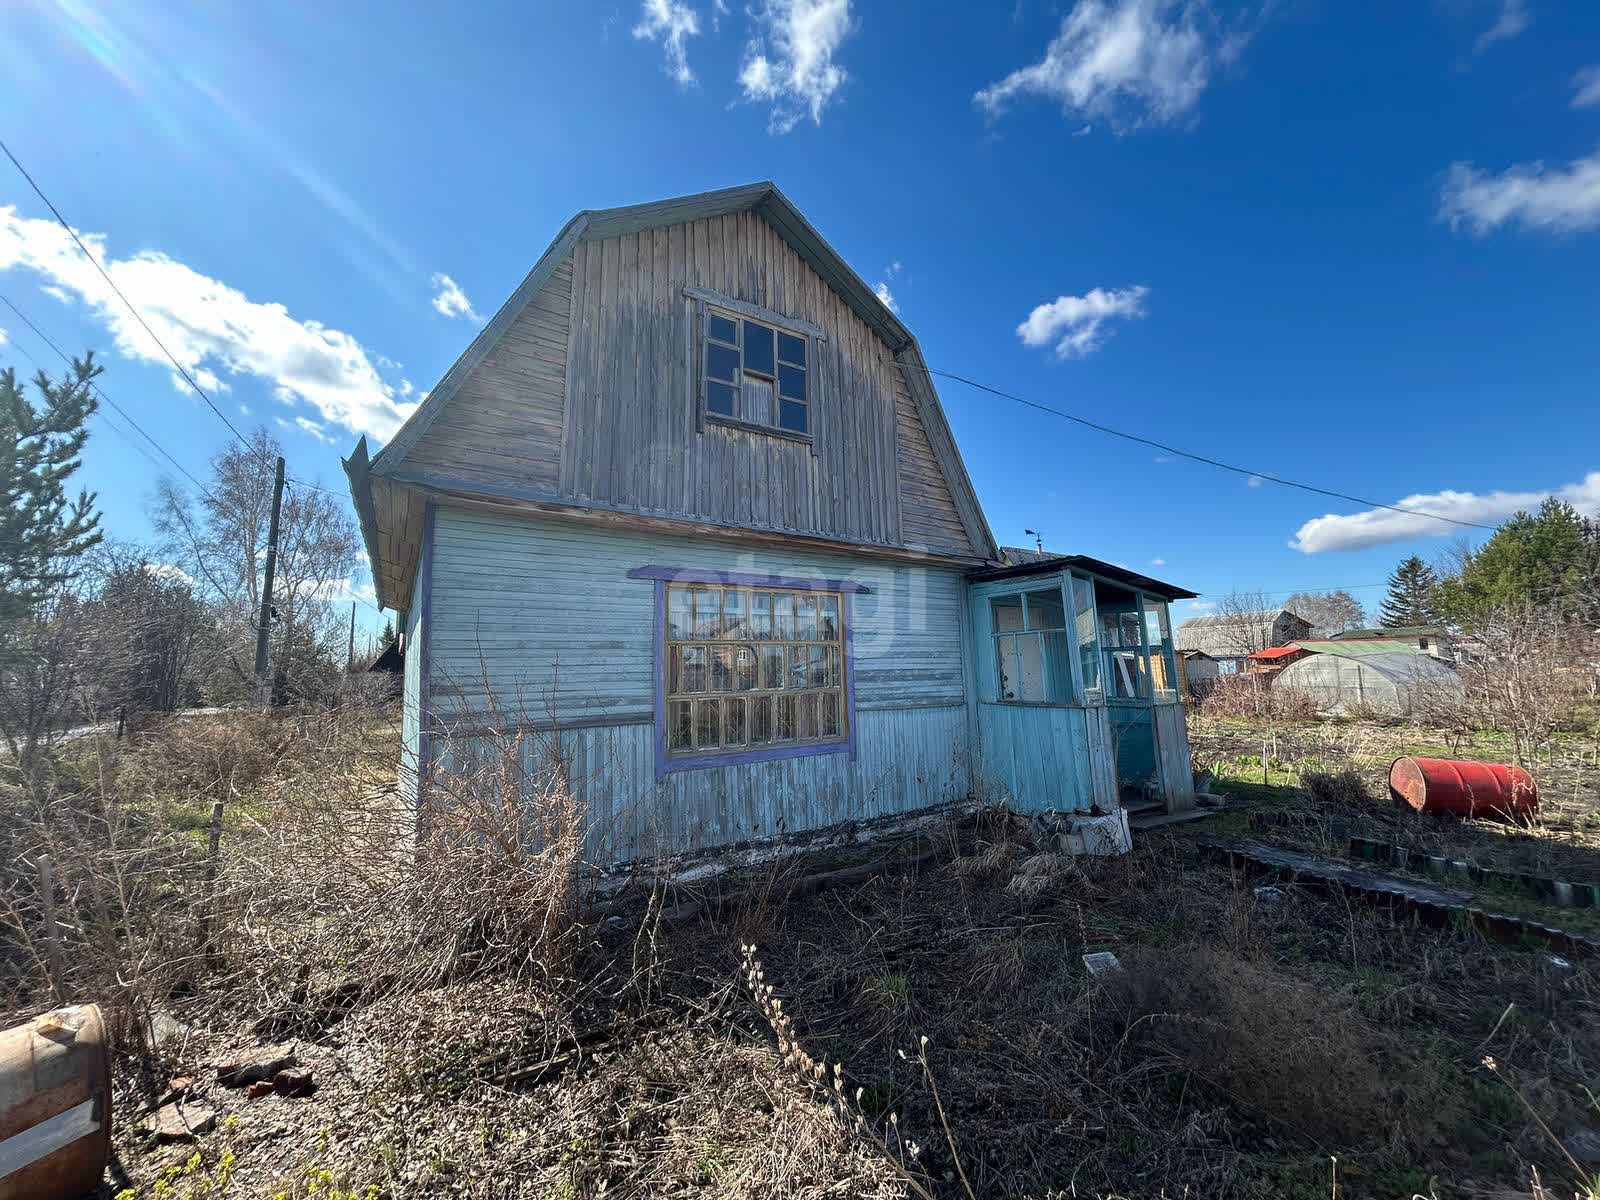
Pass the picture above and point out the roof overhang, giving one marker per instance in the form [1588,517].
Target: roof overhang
[1093,566]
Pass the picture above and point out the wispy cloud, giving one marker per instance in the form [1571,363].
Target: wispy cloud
[4,336]
[1533,196]
[1254,481]
[672,23]
[1511,18]
[209,326]
[882,292]
[1129,63]
[1077,324]
[1586,87]
[449,300]
[790,63]
[1158,562]
[1380,526]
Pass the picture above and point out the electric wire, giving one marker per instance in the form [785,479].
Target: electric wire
[1200,458]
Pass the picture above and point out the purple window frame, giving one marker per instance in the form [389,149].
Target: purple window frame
[667,764]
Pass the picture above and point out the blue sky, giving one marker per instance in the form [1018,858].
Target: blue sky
[1356,245]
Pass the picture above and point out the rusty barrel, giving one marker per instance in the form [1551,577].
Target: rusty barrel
[1462,789]
[55,1105]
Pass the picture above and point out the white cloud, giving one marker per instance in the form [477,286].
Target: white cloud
[1128,62]
[4,336]
[1538,198]
[168,571]
[1076,324]
[1586,87]
[791,65]
[208,325]
[1254,481]
[883,293]
[672,23]
[1380,526]
[1158,562]
[1511,19]
[449,300]
[1163,459]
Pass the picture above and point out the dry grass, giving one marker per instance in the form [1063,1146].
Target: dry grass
[476,1041]
[1252,697]
[1336,790]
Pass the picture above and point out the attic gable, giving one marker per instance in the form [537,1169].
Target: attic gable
[511,371]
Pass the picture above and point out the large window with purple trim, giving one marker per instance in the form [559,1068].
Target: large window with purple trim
[751,668]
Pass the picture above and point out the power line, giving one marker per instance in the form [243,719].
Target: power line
[105,416]
[143,324]
[99,391]
[1200,458]
[111,283]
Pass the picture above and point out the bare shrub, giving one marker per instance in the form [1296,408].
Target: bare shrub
[1346,789]
[266,865]
[1276,1045]
[1368,710]
[1526,669]
[1251,697]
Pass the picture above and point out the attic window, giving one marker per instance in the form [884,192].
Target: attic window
[755,373]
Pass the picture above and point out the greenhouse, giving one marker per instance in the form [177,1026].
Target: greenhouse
[1383,674]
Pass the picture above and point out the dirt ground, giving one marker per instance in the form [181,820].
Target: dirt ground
[1297,1044]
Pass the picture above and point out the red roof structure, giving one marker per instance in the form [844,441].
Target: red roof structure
[1276,652]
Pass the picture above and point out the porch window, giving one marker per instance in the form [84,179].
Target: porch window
[1033,660]
[1158,635]
[1088,638]
[1123,643]
[755,372]
[753,669]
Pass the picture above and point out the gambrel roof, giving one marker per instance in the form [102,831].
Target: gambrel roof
[769,203]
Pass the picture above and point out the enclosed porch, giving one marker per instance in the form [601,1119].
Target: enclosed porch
[1077,697]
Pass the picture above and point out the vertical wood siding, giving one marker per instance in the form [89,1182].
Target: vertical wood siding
[631,437]
[504,424]
[546,609]
[928,516]
[1174,766]
[1046,758]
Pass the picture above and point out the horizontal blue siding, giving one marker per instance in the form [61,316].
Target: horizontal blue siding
[545,608]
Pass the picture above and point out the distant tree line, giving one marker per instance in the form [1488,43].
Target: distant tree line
[91,628]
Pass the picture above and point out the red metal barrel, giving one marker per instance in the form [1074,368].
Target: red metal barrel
[1462,789]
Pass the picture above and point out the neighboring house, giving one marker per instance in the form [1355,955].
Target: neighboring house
[1390,676]
[1430,639]
[690,498]
[1197,672]
[1231,638]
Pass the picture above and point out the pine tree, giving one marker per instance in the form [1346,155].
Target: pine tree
[41,532]
[1410,600]
[1547,560]
[387,637]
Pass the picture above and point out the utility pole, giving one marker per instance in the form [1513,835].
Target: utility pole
[264,629]
[350,661]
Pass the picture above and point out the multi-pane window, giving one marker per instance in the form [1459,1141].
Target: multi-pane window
[756,373]
[1032,651]
[753,668]
[1122,640]
[1163,668]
